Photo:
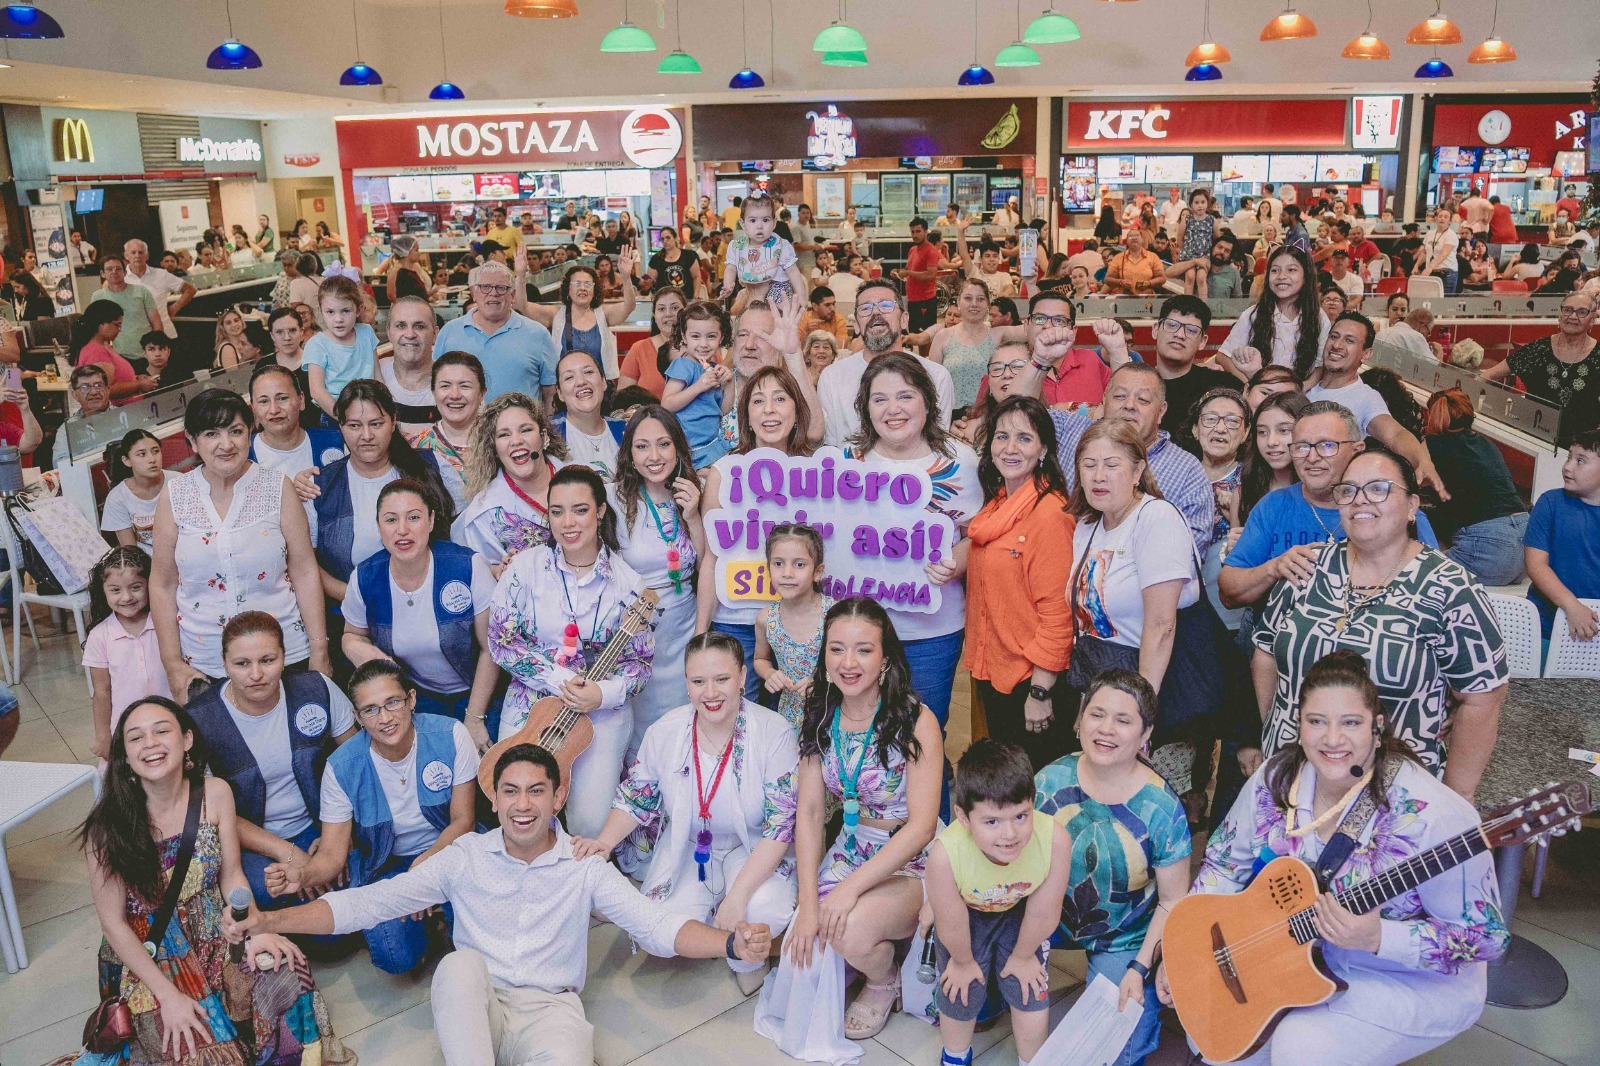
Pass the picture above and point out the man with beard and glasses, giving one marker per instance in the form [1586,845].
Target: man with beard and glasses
[881,321]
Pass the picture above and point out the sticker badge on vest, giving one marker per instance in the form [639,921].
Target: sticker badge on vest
[311,720]
[436,775]
[331,455]
[456,597]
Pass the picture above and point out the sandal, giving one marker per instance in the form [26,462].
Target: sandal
[863,1022]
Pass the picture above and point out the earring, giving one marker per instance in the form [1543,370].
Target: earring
[188,763]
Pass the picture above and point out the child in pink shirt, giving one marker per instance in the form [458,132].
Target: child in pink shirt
[121,653]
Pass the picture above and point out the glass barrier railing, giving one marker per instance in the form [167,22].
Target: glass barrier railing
[1535,417]
[86,435]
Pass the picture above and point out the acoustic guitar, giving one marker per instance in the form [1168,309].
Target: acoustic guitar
[559,728]
[1237,963]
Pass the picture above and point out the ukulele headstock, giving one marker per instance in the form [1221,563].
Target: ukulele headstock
[1551,811]
[640,611]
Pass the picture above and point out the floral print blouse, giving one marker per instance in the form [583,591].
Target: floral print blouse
[1428,977]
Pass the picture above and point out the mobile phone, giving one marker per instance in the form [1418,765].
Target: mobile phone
[14,378]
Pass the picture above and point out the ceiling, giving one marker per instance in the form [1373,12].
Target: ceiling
[150,54]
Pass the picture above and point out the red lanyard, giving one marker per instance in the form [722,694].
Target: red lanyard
[523,496]
[716,780]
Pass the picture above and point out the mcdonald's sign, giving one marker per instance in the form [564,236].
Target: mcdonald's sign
[72,141]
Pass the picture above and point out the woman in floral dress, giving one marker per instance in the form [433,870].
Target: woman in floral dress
[869,743]
[1413,969]
[192,1005]
[514,454]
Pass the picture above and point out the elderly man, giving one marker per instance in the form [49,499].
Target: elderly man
[517,353]
[1137,395]
[138,305]
[881,322]
[1412,333]
[172,293]
[91,387]
[767,335]
[409,370]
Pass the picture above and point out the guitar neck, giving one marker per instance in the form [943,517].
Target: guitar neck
[607,659]
[1376,890]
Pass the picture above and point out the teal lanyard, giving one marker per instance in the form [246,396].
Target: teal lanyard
[674,558]
[848,784]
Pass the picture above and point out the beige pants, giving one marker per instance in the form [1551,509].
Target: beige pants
[478,1022]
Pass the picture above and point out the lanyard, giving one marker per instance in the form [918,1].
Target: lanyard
[702,840]
[849,785]
[661,526]
[674,557]
[572,612]
[523,496]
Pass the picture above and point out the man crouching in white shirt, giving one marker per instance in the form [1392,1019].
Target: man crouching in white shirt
[508,994]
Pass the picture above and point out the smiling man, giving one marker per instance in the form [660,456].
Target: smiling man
[409,370]
[521,903]
[517,353]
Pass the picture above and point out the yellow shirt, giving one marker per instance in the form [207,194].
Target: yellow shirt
[987,887]
[508,236]
[730,218]
[838,327]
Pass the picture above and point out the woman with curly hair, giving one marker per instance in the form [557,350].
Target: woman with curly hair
[515,451]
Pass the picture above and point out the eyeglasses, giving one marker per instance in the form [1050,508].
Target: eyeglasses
[1576,312]
[1325,448]
[392,705]
[997,370]
[1345,492]
[1172,325]
[881,306]
[493,290]
[90,386]
[1211,421]
[1044,321]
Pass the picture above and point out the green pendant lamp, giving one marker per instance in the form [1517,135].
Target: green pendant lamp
[678,61]
[1051,27]
[627,37]
[1017,54]
[844,59]
[839,36]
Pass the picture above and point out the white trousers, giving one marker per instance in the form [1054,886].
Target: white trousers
[478,1023]
[1317,1036]
[772,903]
[597,771]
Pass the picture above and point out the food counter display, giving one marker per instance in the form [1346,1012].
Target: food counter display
[1526,153]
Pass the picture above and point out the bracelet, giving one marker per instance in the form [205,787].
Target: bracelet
[729,949]
[479,717]
[1040,367]
[1140,968]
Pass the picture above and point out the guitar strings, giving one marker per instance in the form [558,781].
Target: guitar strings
[568,716]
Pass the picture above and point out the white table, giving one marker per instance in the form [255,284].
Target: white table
[26,788]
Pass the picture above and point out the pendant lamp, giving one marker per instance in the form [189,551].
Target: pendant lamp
[542,9]
[1051,28]
[977,73]
[678,61]
[1435,68]
[839,36]
[844,59]
[1289,26]
[1368,45]
[358,73]
[1017,54]
[746,78]
[24,22]
[1493,49]
[627,38]
[1436,29]
[1204,72]
[446,89]
[1208,53]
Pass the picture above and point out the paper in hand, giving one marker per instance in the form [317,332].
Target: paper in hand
[1094,1032]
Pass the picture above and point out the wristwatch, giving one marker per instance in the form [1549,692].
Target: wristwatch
[1038,692]
[1140,968]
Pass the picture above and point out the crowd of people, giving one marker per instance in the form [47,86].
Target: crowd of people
[1197,593]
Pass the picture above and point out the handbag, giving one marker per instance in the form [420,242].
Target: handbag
[110,1025]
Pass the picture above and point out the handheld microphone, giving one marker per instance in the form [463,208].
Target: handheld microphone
[239,906]
[927,972]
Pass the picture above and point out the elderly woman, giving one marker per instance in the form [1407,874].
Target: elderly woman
[714,786]
[230,536]
[1382,593]
[821,349]
[582,320]
[270,757]
[1411,972]
[515,453]
[375,830]
[552,615]
[1564,368]
[1019,627]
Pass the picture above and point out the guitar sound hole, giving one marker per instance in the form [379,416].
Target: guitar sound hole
[1285,893]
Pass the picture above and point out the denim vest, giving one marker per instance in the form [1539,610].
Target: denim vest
[452,581]
[327,445]
[336,528]
[372,838]
[310,742]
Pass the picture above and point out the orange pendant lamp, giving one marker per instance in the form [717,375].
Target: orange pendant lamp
[1289,26]
[1493,49]
[542,9]
[1208,52]
[1435,30]
[1367,46]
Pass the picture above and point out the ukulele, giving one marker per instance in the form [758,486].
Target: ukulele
[555,726]
[1237,963]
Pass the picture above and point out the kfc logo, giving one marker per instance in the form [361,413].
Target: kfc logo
[1121,124]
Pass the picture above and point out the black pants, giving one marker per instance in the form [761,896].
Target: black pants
[924,313]
[1006,724]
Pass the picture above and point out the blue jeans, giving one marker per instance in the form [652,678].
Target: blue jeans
[447,706]
[1450,278]
[1492,549]
[255,867]
[933,663]
[746,636]
[398,945]
[1147,1034]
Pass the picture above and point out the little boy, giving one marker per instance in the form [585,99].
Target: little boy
[1562,546]
[995,882]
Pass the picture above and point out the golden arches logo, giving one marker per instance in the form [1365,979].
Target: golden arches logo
[73,142]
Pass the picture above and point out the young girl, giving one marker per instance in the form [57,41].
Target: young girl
[133,465]
[696,378]
[1196,229]
[759,259]
[789,632]
[346,349]
[121,652]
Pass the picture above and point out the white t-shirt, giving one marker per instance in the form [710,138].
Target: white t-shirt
[1350,285]
[1437,244]
[267,736]
[422,397]
[844,286]
[1402,335]
[123,509]
[598,452]
[162,284]
[416,630]
[364,510]
[1361,399]
[1170,212]
[1152,545]
[1285,335]
[998,283]
[841,380]
[413,834]
[290,463]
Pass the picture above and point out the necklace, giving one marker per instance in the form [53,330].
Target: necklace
[1293,813]
[849,785]
[1317,514]
[702,839]
[1371,593]
[674,557]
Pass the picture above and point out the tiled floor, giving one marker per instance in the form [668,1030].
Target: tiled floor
[648,1011]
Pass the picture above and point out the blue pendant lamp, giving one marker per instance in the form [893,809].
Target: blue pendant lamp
[1204,72]
[24,22]
[358,73]
[232,54]
[977,74]
[446,89]
[1435,68]
[746,78]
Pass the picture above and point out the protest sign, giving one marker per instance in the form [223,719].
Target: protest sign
[877,532]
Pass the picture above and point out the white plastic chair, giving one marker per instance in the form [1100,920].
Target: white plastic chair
[21,598]
[1424,287]
[26,788]
[1572,658]
[1519,625]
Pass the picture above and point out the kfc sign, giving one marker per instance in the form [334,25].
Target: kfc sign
[642,137]
[1121,125]
[1274,125]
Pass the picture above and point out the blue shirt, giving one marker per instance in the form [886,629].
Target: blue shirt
[702,419]
[343,363]
[518,357]
[1560,518]
[1284,519]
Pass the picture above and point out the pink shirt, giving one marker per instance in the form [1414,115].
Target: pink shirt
[134,663]
[120,370]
